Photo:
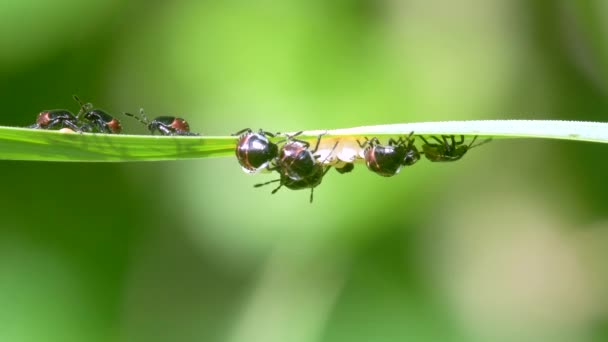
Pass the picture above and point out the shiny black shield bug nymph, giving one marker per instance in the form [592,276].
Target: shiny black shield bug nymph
[387,160]
[97,120]
[310,181]
[56,119]
[296,160]
[255,151]
[447,148]
[165,125]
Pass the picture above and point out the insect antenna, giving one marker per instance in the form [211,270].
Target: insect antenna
[277,189]
[485,141]
[143,115]
[245,130]
[83,106]
[262,184]
[142,118]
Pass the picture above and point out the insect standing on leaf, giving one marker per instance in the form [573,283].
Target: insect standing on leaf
[293,165]
[96,119]
[387,160]
[56,119]
[255,151]
[447,148]
[165,125]
[296,160]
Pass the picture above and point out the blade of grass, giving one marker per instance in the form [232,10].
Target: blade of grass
[547,129]
[41,145]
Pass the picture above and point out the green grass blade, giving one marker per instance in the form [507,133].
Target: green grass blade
[41,145]
[548,129]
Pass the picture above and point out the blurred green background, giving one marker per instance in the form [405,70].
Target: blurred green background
[507,244]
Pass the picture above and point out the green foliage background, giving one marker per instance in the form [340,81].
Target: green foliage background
[506,244]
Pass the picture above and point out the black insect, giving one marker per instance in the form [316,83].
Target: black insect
[56,119]
[97,120]
[387,160]
[255,151]
[165,125]
[306,177]
[296,160]
[447,148]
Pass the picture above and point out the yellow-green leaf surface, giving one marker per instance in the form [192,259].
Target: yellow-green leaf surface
[41,145]
[33,144]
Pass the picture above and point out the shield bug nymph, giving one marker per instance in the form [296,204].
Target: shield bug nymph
[311,180]
[387,160]
[296,160]
[255,151]
[165,125]
[447,148]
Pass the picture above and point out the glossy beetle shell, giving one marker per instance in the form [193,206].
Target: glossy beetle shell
[385,160]
[171,124]
[254,151]
[296,161]
[56,119]
[102,121]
